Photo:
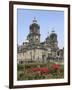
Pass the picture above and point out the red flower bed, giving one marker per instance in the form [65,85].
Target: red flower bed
[42,70]
[56,66]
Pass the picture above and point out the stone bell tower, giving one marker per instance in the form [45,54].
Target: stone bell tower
[53,40]
[34,34]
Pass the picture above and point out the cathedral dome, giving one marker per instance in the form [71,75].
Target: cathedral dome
[34,25]
[53,35]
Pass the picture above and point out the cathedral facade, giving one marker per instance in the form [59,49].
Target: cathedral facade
[32,50]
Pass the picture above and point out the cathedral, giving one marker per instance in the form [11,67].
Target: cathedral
[33,50]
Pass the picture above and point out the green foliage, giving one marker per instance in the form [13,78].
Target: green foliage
[20,67]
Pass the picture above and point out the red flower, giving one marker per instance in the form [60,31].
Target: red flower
[56,66]
[35,69]
[42,70]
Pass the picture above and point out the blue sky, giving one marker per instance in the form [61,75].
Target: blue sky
[47,19]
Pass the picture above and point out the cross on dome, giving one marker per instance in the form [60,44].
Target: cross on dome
[34,21]
[53,29]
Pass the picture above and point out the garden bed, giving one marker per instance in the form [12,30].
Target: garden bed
[39,71]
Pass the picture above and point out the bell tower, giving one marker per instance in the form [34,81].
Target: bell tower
[53,40]
[34,34]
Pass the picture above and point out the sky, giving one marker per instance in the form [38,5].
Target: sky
[47,19]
